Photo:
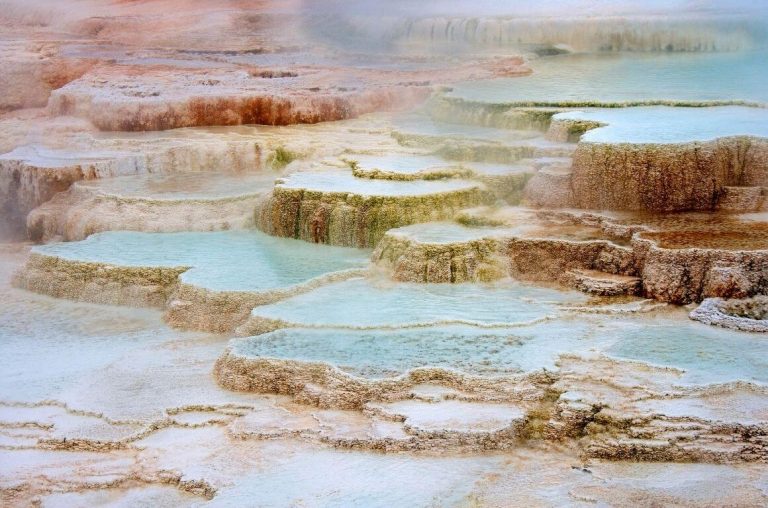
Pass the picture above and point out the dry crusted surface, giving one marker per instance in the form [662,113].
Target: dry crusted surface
[614,409]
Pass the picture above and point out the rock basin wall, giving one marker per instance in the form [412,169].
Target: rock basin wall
[98,282]
[266,108]
[666,177]
[324,385]
[80,212]
[475,261]
[186,306]
[352,220]
[25,185]
[195,308]
[488,259]
[674,275]
[690,275]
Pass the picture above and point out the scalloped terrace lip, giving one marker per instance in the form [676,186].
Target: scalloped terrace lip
[384,254]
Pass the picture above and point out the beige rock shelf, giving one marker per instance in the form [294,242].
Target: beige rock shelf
[207,281]
[200,201]
[677,259]
[335,207]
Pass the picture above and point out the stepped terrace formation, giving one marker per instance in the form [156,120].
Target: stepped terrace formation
[273,253]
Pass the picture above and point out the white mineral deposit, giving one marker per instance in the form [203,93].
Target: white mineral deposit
[383,254]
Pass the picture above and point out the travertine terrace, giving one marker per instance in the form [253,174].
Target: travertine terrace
[261,253]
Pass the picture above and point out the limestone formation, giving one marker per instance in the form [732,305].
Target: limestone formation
[87,209]
[335,208]
[666,177]
[195,289]
[748,314]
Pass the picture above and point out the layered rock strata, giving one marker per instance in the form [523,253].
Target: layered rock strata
[335,208]
[749,314]
[32,175]
[666,177]
[139,98]
[86,209]
[640,414]
[677,266]
[207,298]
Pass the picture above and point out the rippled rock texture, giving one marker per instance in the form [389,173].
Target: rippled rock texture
[336,208]
[496,315]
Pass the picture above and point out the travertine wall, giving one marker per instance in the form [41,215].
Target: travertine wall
[666,177]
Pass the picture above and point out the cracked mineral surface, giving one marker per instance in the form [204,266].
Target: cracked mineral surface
[262,253]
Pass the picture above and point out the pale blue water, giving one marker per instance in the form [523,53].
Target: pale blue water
[227,260]
[344,181]
[366,303]
[707,353]
[662,124]
[381,353]
[197,185]
[631,77]
[668,338]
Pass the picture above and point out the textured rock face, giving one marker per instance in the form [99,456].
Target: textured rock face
[212,98]
[743,199]
[33,175]
[475,260]
[550,187]
[140,98]
[31,70]
[678,274]
[98,282]
[640,413]
[749,314]
[674,263]
[667,177]
[344,217]
[532,248]
[93,208]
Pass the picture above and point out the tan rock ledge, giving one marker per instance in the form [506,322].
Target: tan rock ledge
[749,314]
[506,181]
[159,97]
[32,174]
[332,368]
[524,246]
[206,281]
[679,259]
[609,408]
[151,203]
[335,208]
[668,159]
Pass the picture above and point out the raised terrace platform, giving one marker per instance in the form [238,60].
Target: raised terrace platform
[152,203]
[206,280]
[378,304]
[337,208]
[383,254]
[725,258]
